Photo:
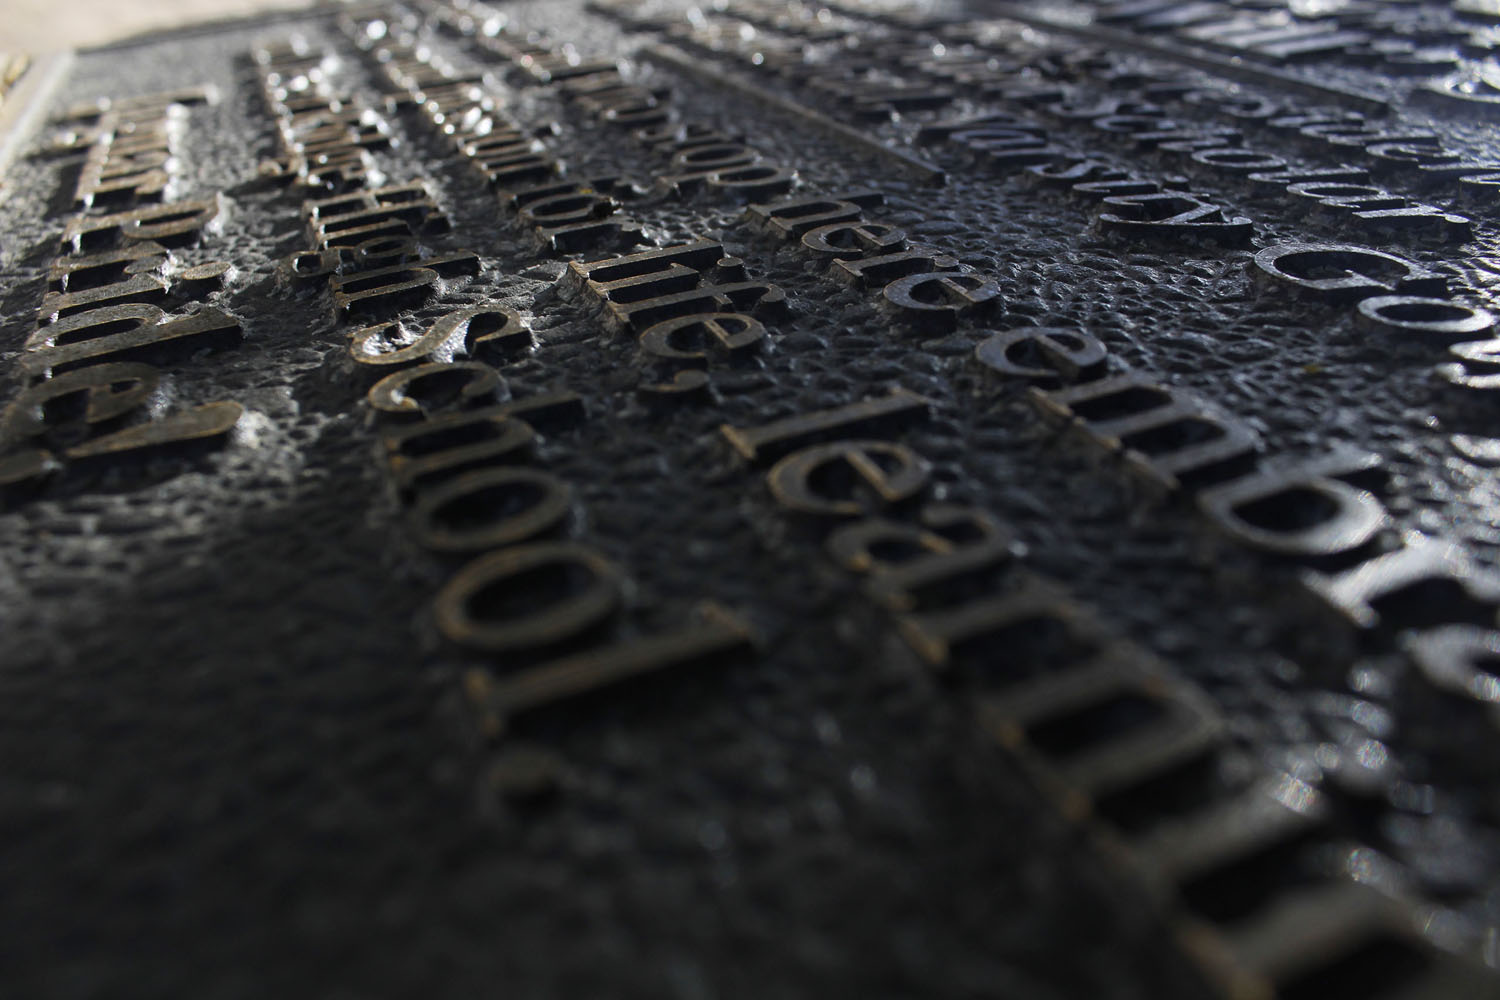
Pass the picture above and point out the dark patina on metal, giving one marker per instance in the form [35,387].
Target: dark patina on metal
[763,499]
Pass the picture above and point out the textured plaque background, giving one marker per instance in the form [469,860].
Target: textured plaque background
[239,756]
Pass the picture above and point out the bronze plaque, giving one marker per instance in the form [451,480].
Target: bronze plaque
[755,500]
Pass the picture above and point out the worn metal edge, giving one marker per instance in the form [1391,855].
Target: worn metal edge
[324,8]
[26,102]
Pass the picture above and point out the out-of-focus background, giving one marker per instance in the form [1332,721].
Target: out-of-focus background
[37,26]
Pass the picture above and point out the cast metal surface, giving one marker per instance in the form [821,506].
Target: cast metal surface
[754,500]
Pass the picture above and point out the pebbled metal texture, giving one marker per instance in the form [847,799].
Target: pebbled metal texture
[251,748]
